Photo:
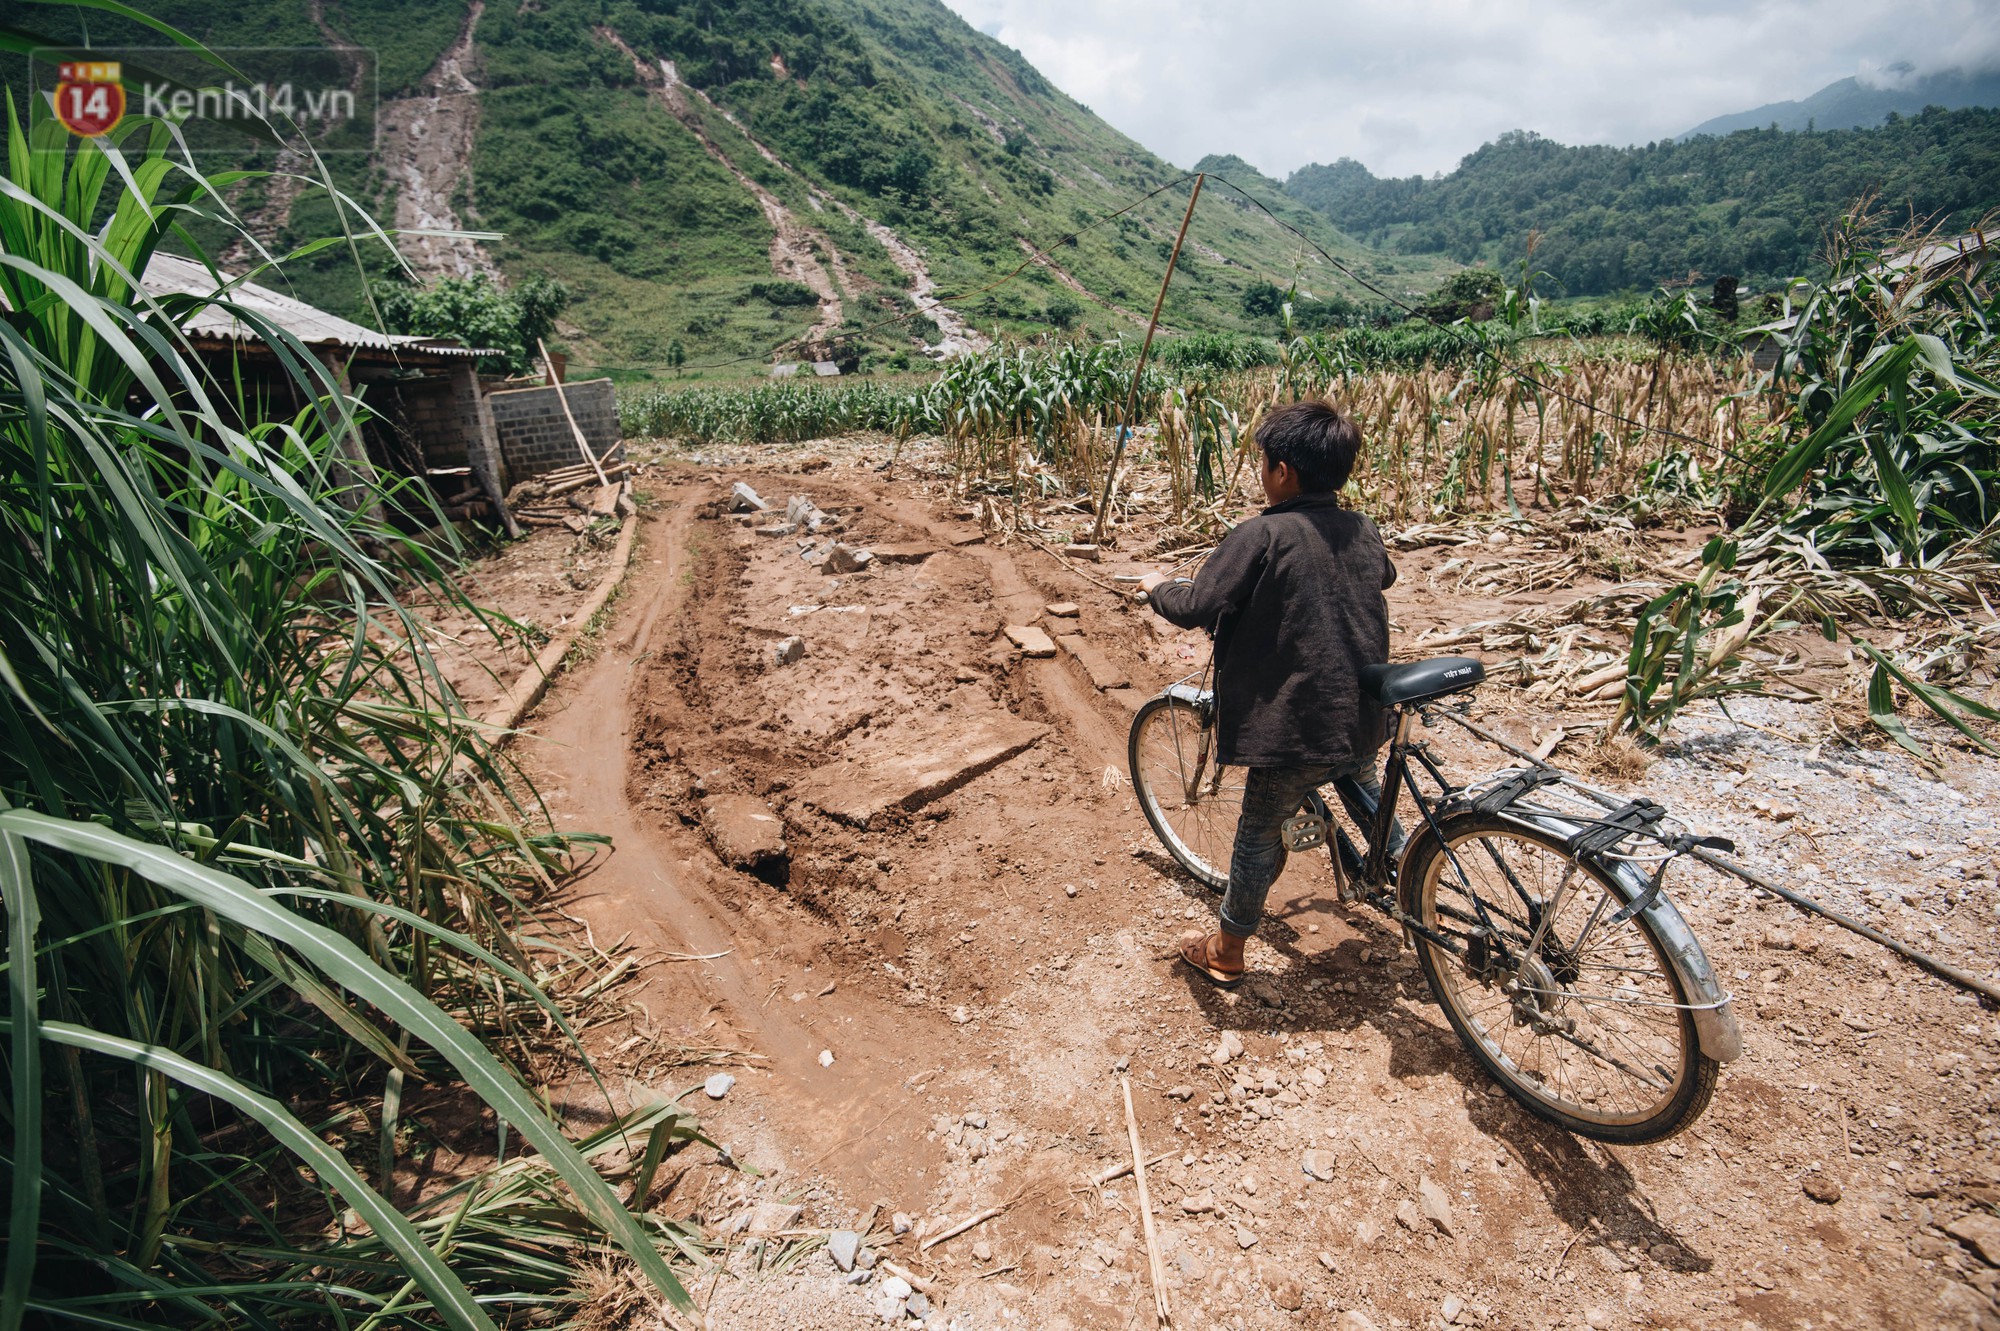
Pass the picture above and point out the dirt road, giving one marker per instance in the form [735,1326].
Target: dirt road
[966,938]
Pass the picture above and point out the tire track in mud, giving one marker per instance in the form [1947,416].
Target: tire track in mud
[1067,702]
[1060,984]
[649,703]
[663,886]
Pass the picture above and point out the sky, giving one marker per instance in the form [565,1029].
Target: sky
[1411,87]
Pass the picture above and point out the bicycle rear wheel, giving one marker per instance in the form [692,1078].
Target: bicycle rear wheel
[1190,801]
[1591,1030]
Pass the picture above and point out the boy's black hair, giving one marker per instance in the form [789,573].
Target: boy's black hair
[1319,442]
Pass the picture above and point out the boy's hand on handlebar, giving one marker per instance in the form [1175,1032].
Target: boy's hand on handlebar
[1154,579]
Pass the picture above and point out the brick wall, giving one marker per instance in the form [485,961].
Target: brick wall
[430,411]
[534,436]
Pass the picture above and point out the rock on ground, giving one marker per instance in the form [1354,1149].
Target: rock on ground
[745,832]
[1031,641]
[1979,1232]
[916,759]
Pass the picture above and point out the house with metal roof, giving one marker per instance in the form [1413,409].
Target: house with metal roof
[1931,261]
[427,416]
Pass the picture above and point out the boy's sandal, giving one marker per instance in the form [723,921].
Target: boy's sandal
[1195,952]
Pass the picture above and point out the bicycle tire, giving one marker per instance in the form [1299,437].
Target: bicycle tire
[1629,1024]
[1191,804]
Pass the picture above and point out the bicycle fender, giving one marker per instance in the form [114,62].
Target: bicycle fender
[1714,1011]
[1713,1008]
[1202,700]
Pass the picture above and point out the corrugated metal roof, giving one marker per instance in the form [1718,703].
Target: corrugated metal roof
[1924,260]
[169,274]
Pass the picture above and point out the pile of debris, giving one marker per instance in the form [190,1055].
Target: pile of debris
[574,497]
[467,502]
[802,515]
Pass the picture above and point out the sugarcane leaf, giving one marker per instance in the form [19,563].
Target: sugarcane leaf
[1940,701]
[17,891]
[316,992]
[446,1292]
[1895,485]
[1869,384]
[344,964]
[1882,711]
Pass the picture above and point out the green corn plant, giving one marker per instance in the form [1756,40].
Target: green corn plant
[1898,446]
[1687,644]
[1954,709]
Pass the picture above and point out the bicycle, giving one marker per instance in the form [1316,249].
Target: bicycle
[1538,916]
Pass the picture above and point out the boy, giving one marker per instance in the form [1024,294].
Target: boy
[1294,599]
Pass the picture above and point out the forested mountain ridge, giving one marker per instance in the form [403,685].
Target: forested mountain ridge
[1753,204]
[1851,104]
[723,174]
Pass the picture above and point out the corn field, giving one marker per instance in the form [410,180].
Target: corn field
[1448,441]
[1859,472]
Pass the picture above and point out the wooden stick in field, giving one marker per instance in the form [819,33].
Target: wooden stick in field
[1126,426]
[583,445]
[1159,1267]
[960,1228]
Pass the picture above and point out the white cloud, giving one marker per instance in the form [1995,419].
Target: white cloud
[1413,87]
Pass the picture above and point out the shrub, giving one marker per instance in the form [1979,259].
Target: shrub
[478,313]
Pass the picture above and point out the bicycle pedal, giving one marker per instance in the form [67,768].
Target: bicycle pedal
[1305,832]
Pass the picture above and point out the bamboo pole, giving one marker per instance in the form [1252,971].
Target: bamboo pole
[582,444]
[1132,397]
[1159,1267]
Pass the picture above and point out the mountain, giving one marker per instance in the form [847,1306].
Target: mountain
[726,174]
[1754,204]
[1851,104]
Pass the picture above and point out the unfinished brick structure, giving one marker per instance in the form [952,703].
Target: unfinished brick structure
[535,437]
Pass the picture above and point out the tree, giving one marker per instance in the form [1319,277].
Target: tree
[1472,294]
[1263,300]
[1723,299]
[477,312]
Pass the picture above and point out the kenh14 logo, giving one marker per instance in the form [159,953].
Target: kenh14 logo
[90,96]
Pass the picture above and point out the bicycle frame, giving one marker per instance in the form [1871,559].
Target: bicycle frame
[1716,1029]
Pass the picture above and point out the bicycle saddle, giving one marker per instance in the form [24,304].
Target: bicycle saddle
[1393,684]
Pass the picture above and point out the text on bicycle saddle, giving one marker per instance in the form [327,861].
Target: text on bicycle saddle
[1392,684]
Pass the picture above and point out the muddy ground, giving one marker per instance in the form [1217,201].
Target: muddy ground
[929,996]
[526,593]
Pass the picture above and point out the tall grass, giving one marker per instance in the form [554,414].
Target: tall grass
[257,865]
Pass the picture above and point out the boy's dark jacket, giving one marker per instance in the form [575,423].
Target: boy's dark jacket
[1295,598]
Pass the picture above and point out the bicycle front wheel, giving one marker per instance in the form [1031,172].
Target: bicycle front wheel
[1191,802]
[1582,1020]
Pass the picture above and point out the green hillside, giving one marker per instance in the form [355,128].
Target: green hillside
[887,111]
[1753,204]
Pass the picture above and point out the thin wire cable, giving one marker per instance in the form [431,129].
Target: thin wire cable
[1474,343]
[1039,253]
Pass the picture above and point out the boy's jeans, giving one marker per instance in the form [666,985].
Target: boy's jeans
[1270,796]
